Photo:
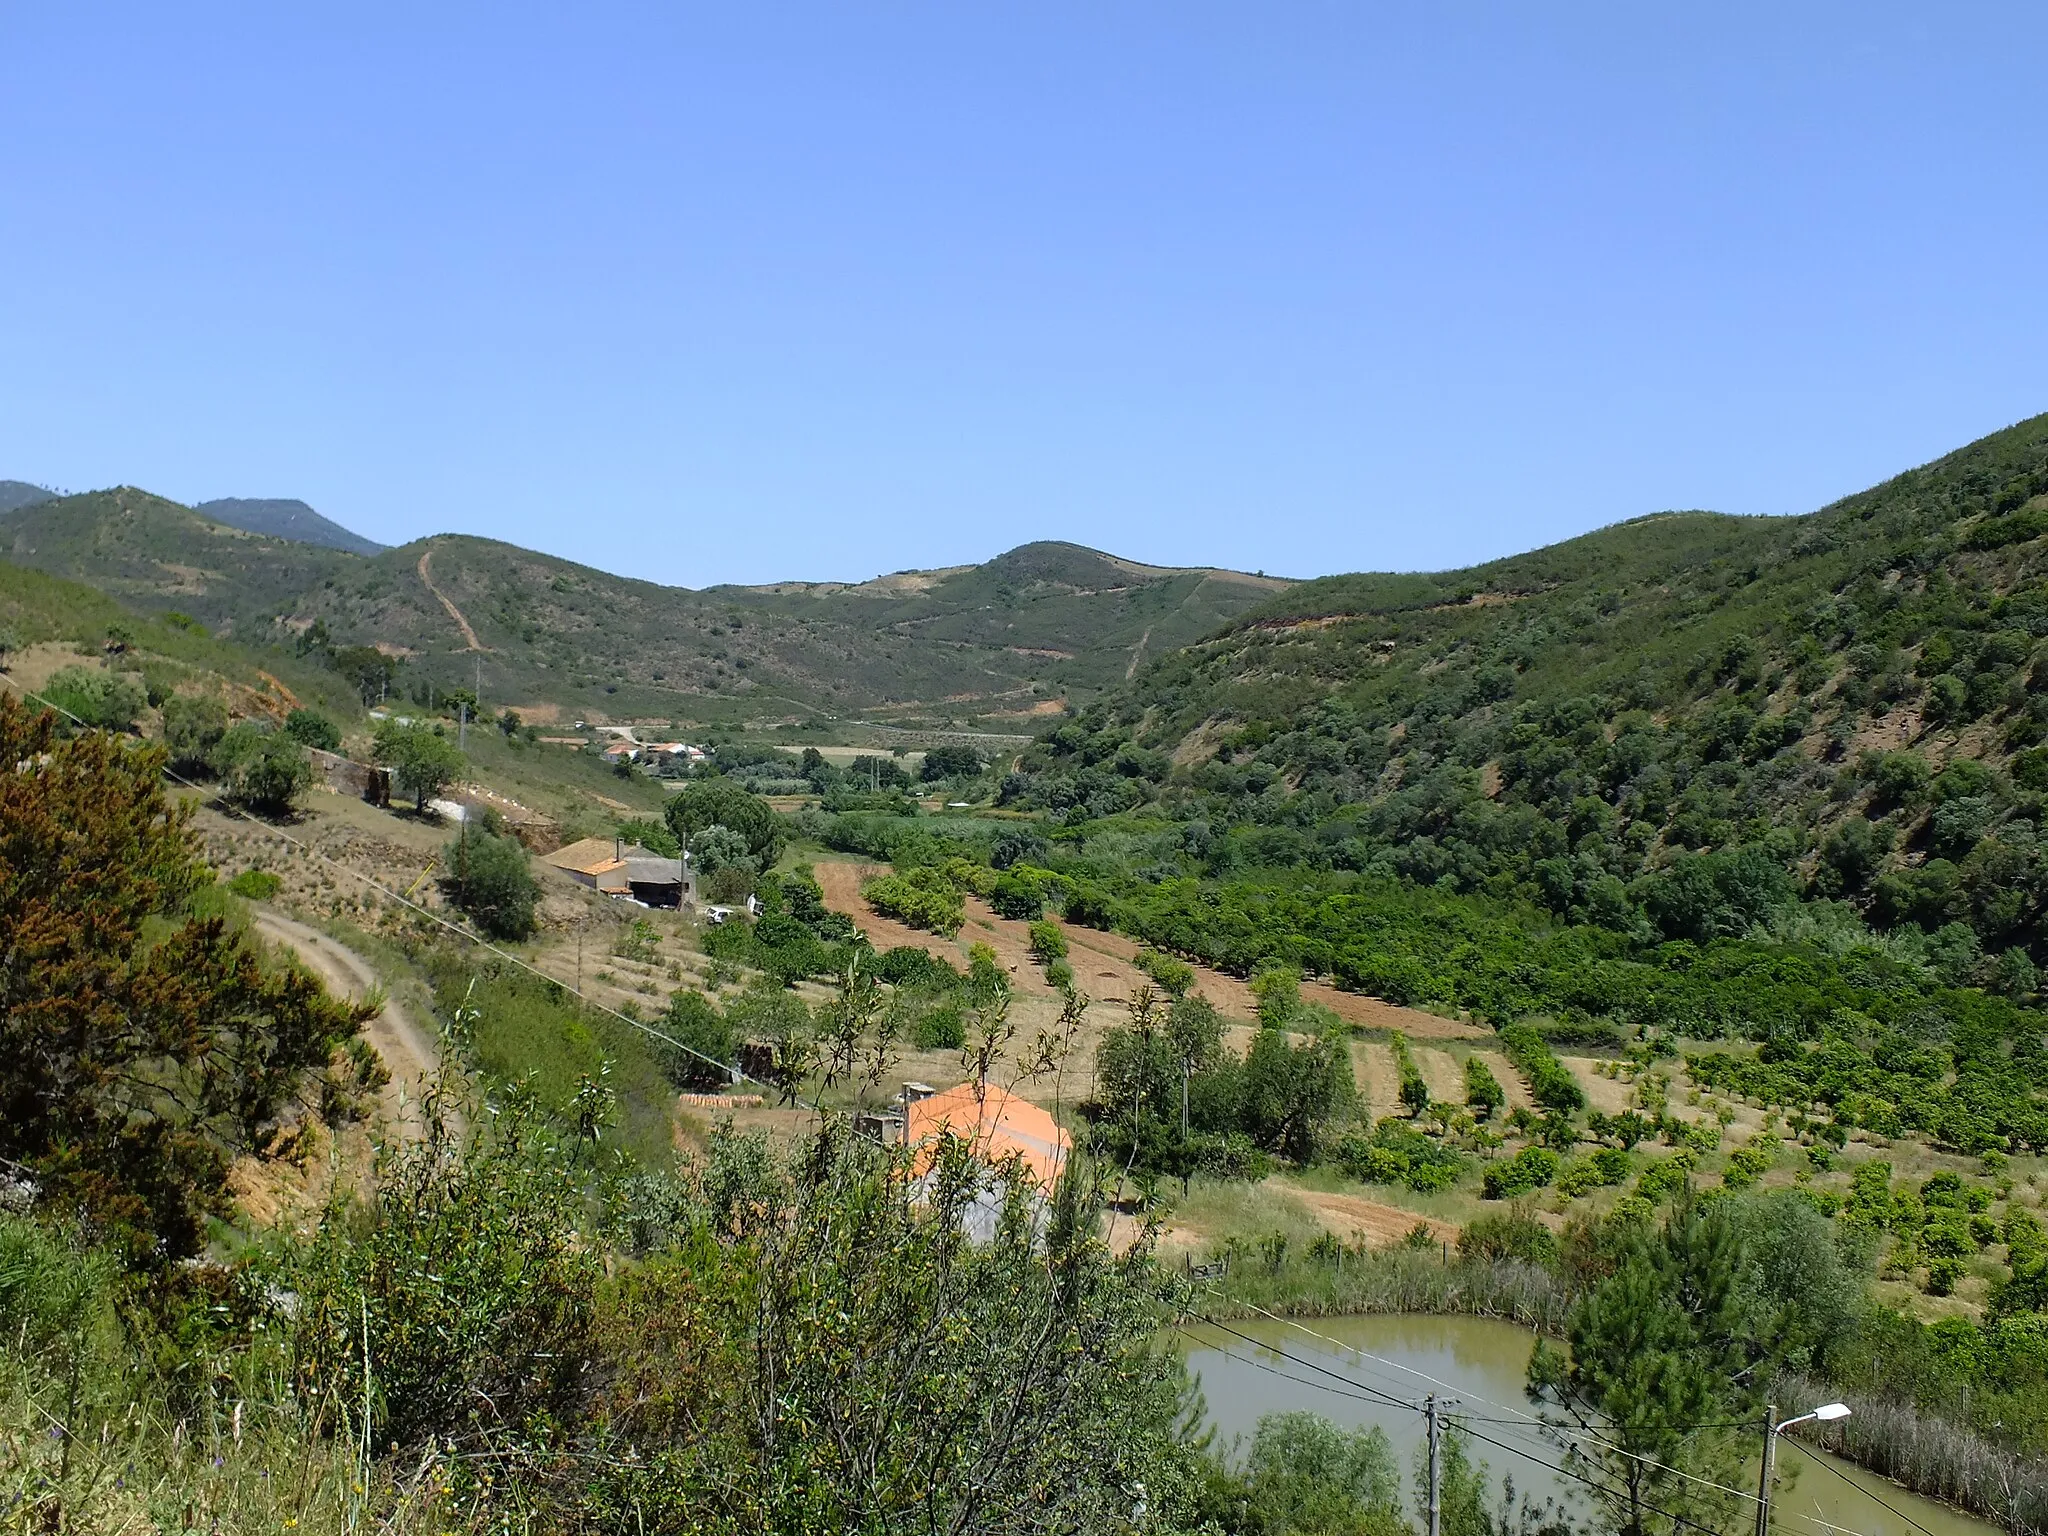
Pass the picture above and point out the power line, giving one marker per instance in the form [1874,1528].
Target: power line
[1300,1381]
[1520,1416]
[1875,1497]
[1597,1486]
[1357,1388]
[1367,1395]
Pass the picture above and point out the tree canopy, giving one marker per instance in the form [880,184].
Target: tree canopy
[139,1063]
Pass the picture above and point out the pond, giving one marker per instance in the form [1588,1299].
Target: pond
[1481,1362]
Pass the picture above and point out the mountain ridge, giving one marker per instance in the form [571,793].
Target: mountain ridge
[1852,703]
[1008,639]
[15,494]
[286,518]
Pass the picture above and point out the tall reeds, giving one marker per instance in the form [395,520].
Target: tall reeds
[1927,1455]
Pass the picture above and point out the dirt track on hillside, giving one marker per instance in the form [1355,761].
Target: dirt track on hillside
[406,1051]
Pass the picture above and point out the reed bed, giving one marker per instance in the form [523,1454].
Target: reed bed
[1389,1280]
[1927,1455]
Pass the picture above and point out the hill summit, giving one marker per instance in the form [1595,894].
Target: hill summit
[287,518]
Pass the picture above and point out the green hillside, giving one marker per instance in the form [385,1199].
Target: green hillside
[158,555]
[1655,729]
[987,642]
[999,644]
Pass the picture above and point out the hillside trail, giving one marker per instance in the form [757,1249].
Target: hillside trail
[406,1050]
[455,613]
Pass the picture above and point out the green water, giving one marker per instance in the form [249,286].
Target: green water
[1482,1363]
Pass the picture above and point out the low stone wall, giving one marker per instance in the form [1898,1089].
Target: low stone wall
[349,777]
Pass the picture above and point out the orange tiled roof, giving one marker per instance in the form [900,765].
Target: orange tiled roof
[996,1123]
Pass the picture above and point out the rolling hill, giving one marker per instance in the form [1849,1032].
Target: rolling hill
[1002,643]
[1663,727]
[19,493]
[1008,640]
[286,518]
[159,556]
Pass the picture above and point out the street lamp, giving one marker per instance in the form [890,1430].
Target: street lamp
[1826,1413]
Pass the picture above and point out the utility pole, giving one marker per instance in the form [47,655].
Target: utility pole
[462,729]
[1826,1413]
[1436,1480]
[1770,1465]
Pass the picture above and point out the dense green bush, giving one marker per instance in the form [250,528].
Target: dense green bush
[1524,1173]
[256,885]
[1017,897]
[1551,1083]
[1396,1153]
[918,898]
[311,728]
[261,768]
[487,876]
[109,700]
[909,966]
[193,728]
[1483,1092]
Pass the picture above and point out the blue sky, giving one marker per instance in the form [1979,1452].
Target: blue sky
[747,292]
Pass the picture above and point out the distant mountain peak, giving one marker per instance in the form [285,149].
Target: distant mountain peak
[16,494]
[286,518]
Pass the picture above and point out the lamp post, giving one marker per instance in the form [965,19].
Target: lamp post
[1826,1413]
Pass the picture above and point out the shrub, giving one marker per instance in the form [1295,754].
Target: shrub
[694,1022]
[1175,977]
[918,969]
[261,768]
[108,700]
[311,728]
[1017,898]
[255,885]
[1414,1087]
[488,878]
[1943,1274]
[193,728]
[1508,1235]
[939,1029]
[1661,1180]
[1048,942]
[918,898]
[1483,1092]
[1746,1164]
[1550,1083]
[1578,1179]
[1528,1170]
[1396,1153]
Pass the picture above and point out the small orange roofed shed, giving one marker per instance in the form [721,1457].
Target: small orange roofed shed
[995,1123]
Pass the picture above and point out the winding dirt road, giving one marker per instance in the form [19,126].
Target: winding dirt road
[408,1052]
[455,613]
